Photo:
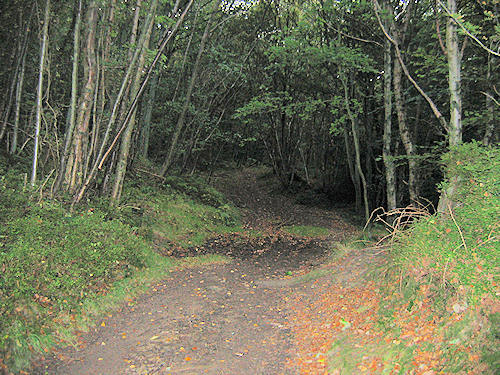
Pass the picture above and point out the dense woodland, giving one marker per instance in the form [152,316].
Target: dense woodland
[357,99]
[120,118]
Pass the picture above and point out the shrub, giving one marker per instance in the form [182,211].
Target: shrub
[197,189]
[460,249]
[455,256]
[51,262]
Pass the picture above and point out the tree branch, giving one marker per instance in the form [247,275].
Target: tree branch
[467,32]
[432,105]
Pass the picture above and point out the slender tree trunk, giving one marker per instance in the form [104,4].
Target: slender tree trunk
[490,106]
[353,172]
[19,93]
[446,201]
[148,115]
[184,59]
[180,122]
[390,178]
[454,77]
[75,168]
[121,167]
[68,137]
[404,132]
[43,53]
[489,135]
[357,148]
[102,154]
[8,106]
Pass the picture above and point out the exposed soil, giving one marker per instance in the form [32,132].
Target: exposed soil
[226,318]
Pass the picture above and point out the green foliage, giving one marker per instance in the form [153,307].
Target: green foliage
[197,189]
[176,219]
[55,264]
[456,254]
[460,248]
[51,262]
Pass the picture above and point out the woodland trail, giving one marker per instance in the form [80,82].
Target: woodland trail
[225,318]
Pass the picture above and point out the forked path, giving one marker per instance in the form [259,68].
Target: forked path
[217,319]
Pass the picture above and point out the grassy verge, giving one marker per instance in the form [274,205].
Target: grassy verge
[60,271]
[437,307]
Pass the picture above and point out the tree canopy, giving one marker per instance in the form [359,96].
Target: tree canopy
[357,99]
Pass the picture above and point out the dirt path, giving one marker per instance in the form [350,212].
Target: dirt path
[218,319]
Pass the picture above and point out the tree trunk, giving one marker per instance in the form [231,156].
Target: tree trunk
[43,52]
[74,169]
[390,178]
[180,122]
[146,126]
[121,166]
[404,132]
[491,123]
[454,77]
[357,148]
[446,200]
[19,93]
[353,172]
[102,154]
[68,137]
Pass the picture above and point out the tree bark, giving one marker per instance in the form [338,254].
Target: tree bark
[454,77]
[446,200]
[74,169]
[357,148]
[353,172]
[43,53]
[404,132]
[19,93]
[390,179]
[68,137]
[491,123]
[148,115]
[102,155]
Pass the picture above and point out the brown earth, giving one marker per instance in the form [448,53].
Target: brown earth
[225,318]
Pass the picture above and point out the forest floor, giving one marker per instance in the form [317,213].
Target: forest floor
[261,313]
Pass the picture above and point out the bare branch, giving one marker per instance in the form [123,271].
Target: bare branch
[491,97]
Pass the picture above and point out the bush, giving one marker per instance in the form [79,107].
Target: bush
[51,262]
[461,249]
[197,189]
[455,256]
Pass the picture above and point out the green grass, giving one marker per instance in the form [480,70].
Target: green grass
[307,230]
[456,255]
[170,217]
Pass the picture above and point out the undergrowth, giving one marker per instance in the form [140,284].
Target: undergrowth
[447,264]
[438,307]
